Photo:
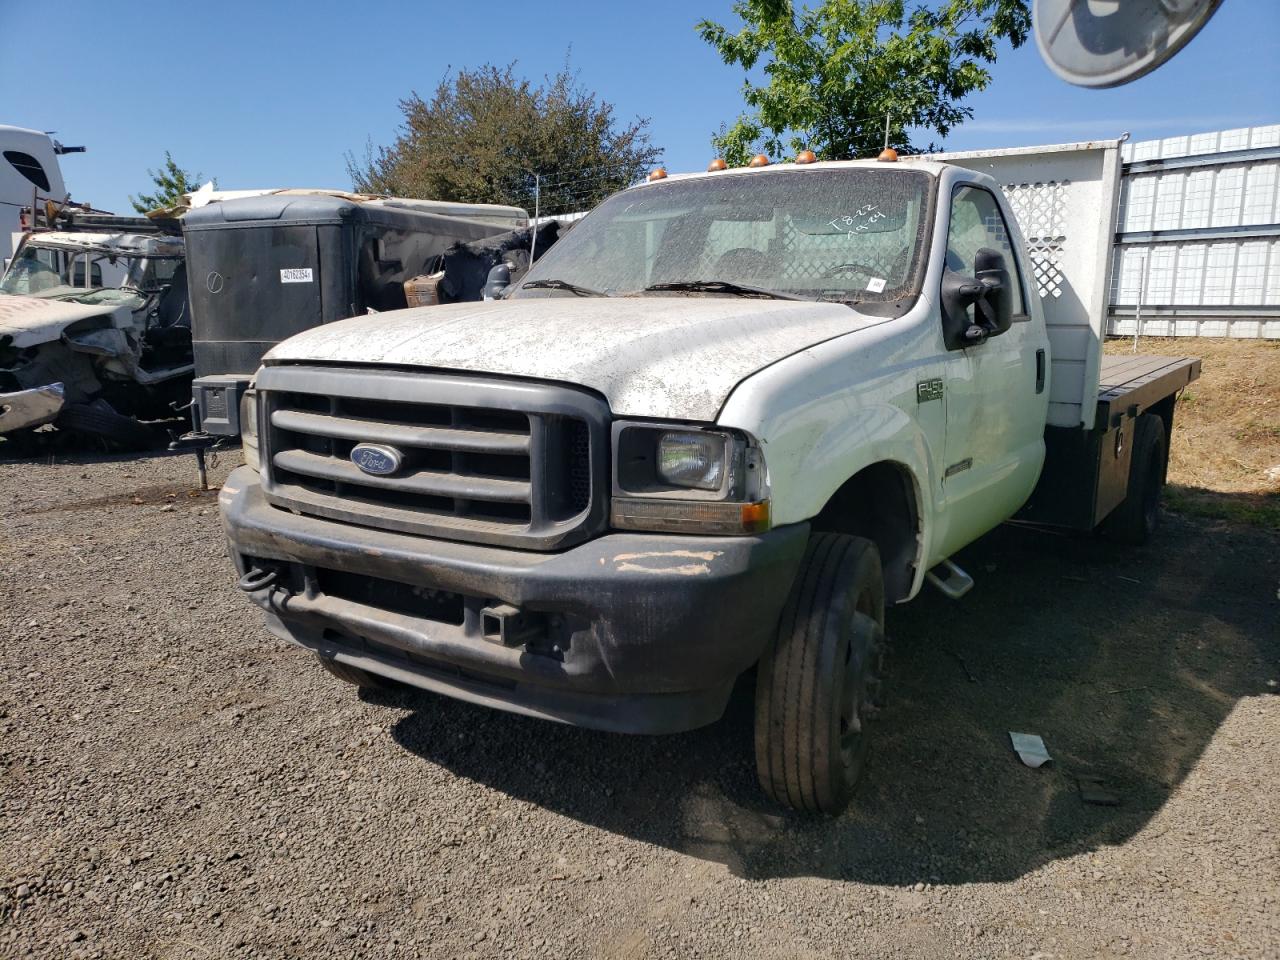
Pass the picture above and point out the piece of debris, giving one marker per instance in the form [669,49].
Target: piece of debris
[1031,749]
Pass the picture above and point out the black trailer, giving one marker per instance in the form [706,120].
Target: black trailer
[265,267]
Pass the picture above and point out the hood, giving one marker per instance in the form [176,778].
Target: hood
[31,321]
[664,357]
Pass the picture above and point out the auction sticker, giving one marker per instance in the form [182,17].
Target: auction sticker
[295,275]
[874,285]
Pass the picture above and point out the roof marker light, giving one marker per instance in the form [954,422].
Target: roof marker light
[888,155]
[759,160]
[806,156]
[716,164]
[659,174]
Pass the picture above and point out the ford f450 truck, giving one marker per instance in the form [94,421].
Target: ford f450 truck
[720,426]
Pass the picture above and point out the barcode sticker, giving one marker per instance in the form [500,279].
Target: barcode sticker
[295,275]
[876,285]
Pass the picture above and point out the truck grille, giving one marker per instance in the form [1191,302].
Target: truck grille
[483,460]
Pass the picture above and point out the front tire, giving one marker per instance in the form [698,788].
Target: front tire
[818,681]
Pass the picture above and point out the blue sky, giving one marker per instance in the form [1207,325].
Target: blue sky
[274,93]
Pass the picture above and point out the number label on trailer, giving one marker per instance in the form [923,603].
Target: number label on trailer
[295,275]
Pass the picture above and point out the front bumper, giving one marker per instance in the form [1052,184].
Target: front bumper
[31,408]
[629,632]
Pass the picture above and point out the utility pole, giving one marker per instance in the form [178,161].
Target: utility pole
[537,203]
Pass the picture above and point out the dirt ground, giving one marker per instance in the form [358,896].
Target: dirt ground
[174,783]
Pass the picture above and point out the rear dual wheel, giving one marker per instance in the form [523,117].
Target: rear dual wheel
[819,681]
[1138,516]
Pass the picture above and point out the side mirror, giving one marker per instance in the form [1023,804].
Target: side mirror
[495,286]
[987,293]
[996,305]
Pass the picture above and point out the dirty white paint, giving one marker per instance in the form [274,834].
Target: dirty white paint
[661,357]
[32,321]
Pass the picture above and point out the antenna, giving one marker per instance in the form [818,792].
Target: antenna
[1105,43]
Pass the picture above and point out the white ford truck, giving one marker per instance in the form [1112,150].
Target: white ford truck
[720,426]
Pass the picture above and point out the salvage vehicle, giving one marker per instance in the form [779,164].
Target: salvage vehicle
[272,264]
[724,423]
[95,331]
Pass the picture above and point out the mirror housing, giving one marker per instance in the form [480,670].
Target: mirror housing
[987,293]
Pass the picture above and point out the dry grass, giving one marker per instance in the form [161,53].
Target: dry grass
[1225,460]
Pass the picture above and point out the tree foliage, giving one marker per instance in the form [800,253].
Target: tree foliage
[484,134]
[833,71]
[170,182]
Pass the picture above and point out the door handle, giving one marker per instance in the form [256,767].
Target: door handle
[1040,370]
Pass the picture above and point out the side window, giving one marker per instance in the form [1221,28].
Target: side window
[976,222]
[28,166]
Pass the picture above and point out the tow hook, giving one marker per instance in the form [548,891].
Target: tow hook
[257,579]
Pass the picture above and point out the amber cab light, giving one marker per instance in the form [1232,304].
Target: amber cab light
[806,156]
[716,164]
[659,174]
[759,160]
[888,155]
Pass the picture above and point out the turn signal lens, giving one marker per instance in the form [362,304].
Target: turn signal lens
[759,160]
[686,516]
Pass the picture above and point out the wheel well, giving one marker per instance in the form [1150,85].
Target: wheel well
[879,503]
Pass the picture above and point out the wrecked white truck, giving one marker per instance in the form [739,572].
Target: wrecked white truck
[95,330]
[720,426]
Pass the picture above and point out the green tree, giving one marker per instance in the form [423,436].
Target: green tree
[484,134]
[834,71]
[171,182]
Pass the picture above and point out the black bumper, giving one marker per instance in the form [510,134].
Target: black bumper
[634,633]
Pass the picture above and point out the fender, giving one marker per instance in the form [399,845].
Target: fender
[825,414]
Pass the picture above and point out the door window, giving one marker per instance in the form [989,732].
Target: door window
[976,222]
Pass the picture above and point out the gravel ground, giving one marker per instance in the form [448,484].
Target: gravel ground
[175,783]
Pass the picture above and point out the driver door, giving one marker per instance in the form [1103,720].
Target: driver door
[995,420]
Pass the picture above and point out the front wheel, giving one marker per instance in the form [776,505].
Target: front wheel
[818,681]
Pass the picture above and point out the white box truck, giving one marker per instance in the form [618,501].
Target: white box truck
[721,425]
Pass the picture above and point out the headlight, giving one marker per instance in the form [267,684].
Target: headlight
[696,460]
[249,429]
[687,481]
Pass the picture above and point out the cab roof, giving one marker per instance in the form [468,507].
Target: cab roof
[924,164]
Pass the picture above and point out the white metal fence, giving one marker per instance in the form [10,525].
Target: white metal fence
[1197,249]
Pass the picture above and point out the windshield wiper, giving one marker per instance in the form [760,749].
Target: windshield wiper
[553,283]
[722,286]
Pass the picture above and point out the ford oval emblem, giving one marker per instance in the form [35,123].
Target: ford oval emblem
[376,458]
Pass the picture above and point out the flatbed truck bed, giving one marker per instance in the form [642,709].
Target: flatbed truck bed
[1086,472]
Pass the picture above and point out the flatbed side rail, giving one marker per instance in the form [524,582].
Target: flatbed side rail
[1130,385]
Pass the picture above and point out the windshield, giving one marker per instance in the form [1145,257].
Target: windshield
[852,235]
[59,273]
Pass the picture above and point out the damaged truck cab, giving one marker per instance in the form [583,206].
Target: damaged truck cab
[94,324]
[720,425]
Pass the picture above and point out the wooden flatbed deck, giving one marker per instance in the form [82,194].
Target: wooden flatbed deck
[1129,384]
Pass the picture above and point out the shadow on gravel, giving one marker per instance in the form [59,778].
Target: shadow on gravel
[1126,662]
